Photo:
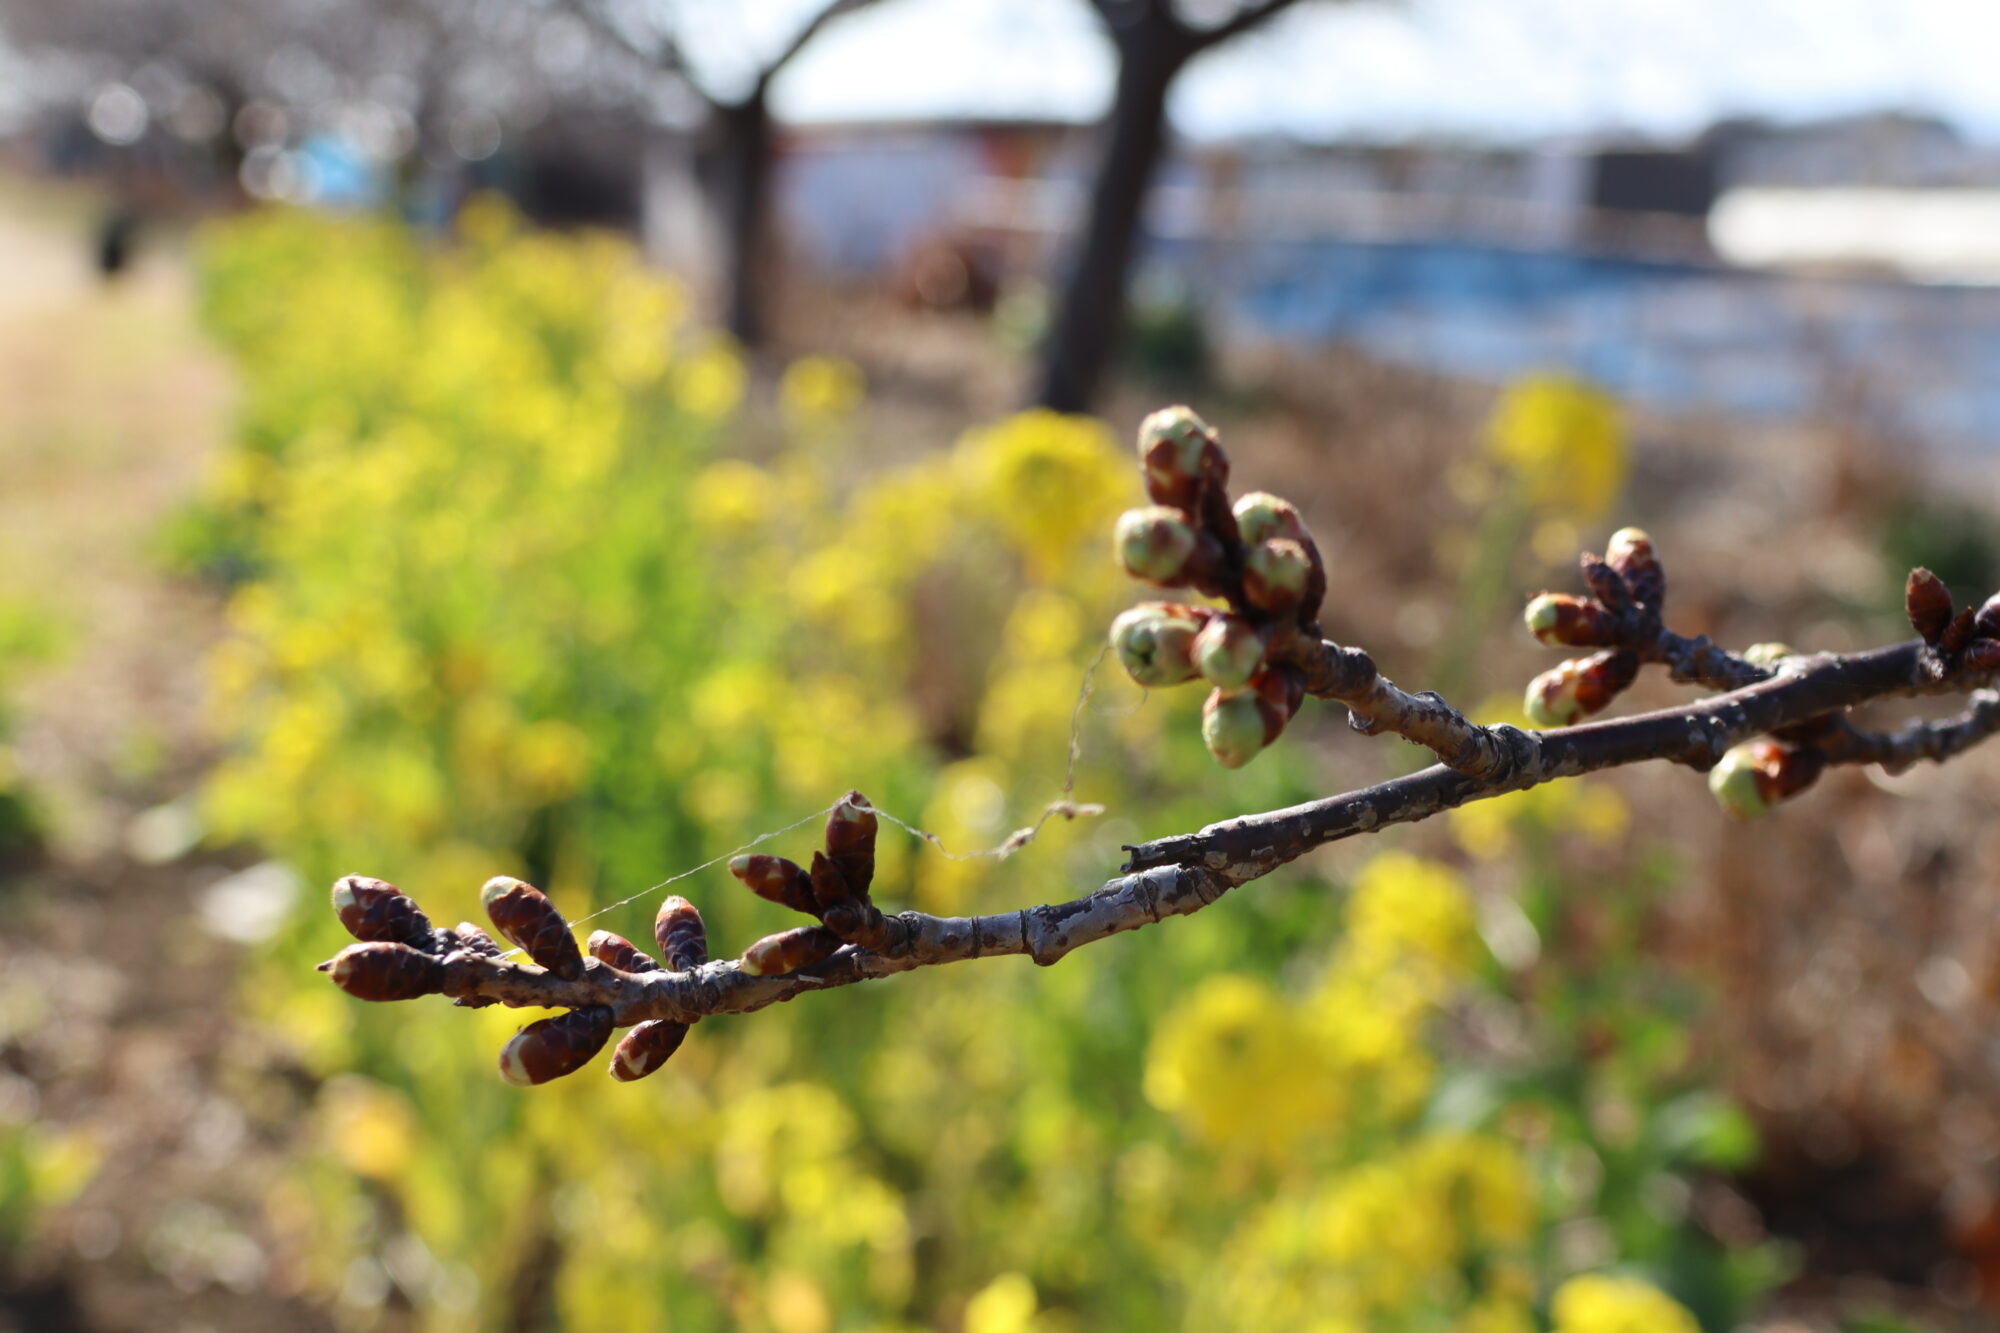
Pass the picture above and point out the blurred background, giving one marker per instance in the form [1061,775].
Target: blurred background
[569,438]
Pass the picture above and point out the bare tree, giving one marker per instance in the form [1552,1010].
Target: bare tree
[1777,722]
[1154,42]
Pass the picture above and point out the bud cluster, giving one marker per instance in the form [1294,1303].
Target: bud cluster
[1628,578]
[1256,555]
[1966,640]
[835,890]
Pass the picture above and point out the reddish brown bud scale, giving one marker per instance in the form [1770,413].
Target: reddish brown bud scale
[1558,619]
[1957,634]
[829,887]
[474,940]
[777,880]
[385,970]
[1603,676]
[1986,621]
[1630,552]
[1605,584]
[525,915]
[1928,604]
[1277,575]
[790,950]
[678,930]
[1981,655]
[850,840]
[614,950]
[1180,457]
[1573,690]
[374,909]
[551,1047]
[646,1047]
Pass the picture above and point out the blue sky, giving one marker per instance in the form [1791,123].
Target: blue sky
[1495,69]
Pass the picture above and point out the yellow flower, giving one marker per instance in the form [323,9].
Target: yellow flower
[1049,484]
[1410,905]
[815,388]
[1005,1305]
[1599,1303]
[1563,441]
[731,496]
[1234,1064]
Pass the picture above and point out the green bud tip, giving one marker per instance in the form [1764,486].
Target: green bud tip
[1551,698]
[1182,427]
[1261,516]
[1542,614]
[1280,563]
[1738,786]
[1767,654]
[1155,542]
[512,1068]
[343,893]
[496,887]
[1624,540]
[739,866]
[1232,726]
[1228,652]
[1155,646]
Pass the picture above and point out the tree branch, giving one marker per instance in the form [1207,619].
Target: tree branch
[1238,23]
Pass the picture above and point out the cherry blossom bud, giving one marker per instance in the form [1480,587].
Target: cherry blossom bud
[525,915]
[1981,655]
[1275,575]
[1630,552]
[1752,778]
[1928,604]
[1155,642]
[775,879]
[1767,654]
[681,935]
[385,970]
[1179,456]
[1262,516]
[615,950]
[1157,544]
[1605,584]
[1228,651]
[374,909]
[551,1047]
[646,1047]
[1575,689]
[850,840]
[790,950]
[1558,619]
[1237,725]
[1986,621]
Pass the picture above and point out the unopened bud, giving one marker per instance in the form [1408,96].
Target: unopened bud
[1928,603]
[1957,634]
[681,935]
[1156,544]
[1262,516]
[646,1047]
[1155,642]
[850,840]
[1767,654]
[474,940]
[1558,619]
[1752,778]
[385,970]
[775,879]
[1981,655]
[1573,690]
[1228,651]
[1986,620]
[1238,725]
[1275,574]
[525,915]
[1630,552]
[614,950]
[1605,584]
[829,887]
[790,950]
[1178,455]
[374,909]
[551,1047]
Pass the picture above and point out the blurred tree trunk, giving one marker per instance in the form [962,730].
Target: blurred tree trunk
[1153,44]
[740,170]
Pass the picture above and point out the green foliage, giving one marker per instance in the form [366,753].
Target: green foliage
[525,596]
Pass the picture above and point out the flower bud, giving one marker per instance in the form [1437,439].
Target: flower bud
[1981,655]
[1767,654]
[1178,455]
[646,1047]
[385,970]
[1752,778]
[1156,544]
[850,840]
[1275,574]
[1573,690]
[681,935]
[1558,619]
[474,940]
[615,950]
[551,1047]
[1986,621]
[1155,642]
[1605,584]
[775,879]
[790,950]
[1262,516]
[374,909]
[1237,725]
[1630,552]
[1228,651]
[829,887]
[525,915]
[1928,604]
